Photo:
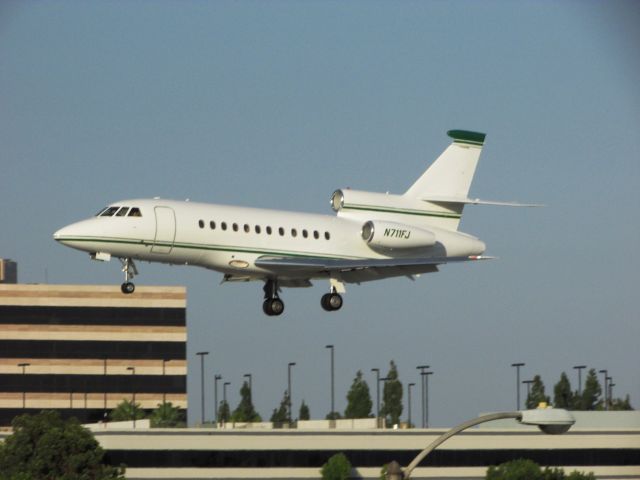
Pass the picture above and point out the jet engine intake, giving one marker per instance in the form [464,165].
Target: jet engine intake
[391,235]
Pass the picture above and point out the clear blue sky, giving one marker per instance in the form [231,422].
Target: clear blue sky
[279,103]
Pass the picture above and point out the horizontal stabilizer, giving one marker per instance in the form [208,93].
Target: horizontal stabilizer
[475,201]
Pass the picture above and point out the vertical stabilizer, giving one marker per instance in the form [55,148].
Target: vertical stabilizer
[451,174]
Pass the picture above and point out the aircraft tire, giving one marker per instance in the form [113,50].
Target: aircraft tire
[331,302]
[127,288]
[273,307]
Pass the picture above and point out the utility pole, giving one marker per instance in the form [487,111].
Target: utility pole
[409,399]
[377,370]
[202,354]
[517,365]
[422,369]
[579,368]
[215,398]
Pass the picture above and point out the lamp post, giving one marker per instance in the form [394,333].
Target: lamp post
[291,364]
[215,397]
[104,381]
[426,397]
[164,369]
[332,383]
[409,400]
[422,369]
[609,380]
[248,375]
[224,399]
[24,387]
[579,368]
[611,385]
[202,354]
[604,374]
[133,389]
[377,370]
[517,365]
[549,420]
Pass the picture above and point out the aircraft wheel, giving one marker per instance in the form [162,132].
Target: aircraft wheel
[273,306]
[331,302]
[127,288]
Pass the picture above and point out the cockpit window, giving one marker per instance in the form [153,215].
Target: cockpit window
[100,212]
[109,211]
[122,212]
[135,212]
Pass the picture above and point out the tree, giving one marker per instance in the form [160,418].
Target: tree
[358,399]
[167,416]
[280,414]
[562,394]
[127,410]
[391,408]
[591,392]
[245,412]
[524,469]
[620,404]
[304,412]
[337,467]
[536,396]
[224,412]
[44,447]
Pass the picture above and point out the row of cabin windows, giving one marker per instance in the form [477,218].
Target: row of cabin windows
[119,212]
[258,229]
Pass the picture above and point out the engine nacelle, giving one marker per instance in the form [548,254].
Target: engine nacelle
[391,236]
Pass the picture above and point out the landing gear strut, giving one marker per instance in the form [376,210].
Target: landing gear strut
[130,271]
[331,301]
[272,304]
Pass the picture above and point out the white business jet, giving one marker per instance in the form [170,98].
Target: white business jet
[372,236]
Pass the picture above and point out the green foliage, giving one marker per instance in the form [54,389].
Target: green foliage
[521,469]
[591,392]
[224,412]
[126,410]
[537,395]
[245,411]
[167,416]
[45,447]
[358,399]
[524,469]
[336,468]
[391,408]
[562,394]
[333,416]
[280,414]
[619,404]
[304,412]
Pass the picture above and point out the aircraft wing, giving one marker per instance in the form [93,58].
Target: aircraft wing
[320,264]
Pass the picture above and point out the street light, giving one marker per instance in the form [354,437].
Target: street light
[164,369]
[332,384]
[133,389]
[425,375]
[215,397]
[517,365]
[609,380]
[528,384]
[224,399]
[422,369]
[579,368]
[409,399]
[552,421]
[202,354]
[24,385]
[605,373]
[291,364]
[377,370]
[104,374]
[248,375]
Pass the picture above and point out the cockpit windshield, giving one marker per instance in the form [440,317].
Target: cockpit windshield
[119,212]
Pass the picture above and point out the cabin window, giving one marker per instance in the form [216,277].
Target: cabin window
[235,227]
[223,225]
[281,231]
[201,223]
[257,228]
[294,232]
[135,212]
[305,234]
[109,211]
[268,230]
[212,225]
[247,228]
[122,212]
[316,235]
[327,236]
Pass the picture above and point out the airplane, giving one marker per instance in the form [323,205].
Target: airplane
[372,236]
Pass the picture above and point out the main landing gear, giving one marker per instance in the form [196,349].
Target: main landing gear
[272,304]
[130,271]
[331,301]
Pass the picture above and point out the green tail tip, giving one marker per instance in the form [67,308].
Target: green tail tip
[465,136]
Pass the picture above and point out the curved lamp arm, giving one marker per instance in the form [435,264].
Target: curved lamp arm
[463,426]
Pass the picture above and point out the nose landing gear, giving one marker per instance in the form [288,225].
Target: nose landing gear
[272,304]
[130,271]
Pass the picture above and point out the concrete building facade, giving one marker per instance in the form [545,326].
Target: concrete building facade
[81,349]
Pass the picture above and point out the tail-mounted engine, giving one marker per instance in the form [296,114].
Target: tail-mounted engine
[392,236]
